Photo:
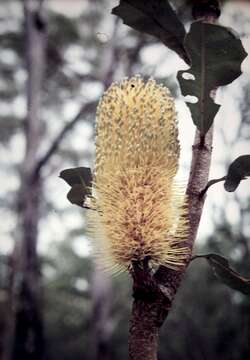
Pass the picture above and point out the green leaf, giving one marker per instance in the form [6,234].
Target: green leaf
[237,171]
[77,195]
[216,55]
[157,18]
[79,175]
[226,274]
[80,180]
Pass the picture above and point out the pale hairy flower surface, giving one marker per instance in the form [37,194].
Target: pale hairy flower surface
[138,206]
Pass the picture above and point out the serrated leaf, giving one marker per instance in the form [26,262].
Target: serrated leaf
[80,180]
[216,55]
[157,18]
[226,274]
[77,195]
[79,175]
[238,170]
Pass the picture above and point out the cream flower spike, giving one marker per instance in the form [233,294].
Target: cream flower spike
[140,208]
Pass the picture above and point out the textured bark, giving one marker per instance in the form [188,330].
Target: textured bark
[198,179]
[28,339]
[144,330]
[154,293]
[150,308]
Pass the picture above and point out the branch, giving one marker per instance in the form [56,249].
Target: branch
[210,183]
[87,108]
[198,179]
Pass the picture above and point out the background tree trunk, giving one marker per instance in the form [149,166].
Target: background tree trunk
[28,337]
[101,319]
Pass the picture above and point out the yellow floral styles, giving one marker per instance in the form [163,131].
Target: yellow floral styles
[138,207]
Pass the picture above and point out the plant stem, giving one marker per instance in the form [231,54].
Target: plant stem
[153,295]
[210,183]
[150,308]
[144,330]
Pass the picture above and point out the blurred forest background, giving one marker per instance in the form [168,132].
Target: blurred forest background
[56,59]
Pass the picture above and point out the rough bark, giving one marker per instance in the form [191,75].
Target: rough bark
[28,338]
[149,310]
[144,329]
[154,293]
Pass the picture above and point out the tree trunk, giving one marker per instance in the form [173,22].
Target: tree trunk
[28,338]
[4,317]
[144,330]
[150,309]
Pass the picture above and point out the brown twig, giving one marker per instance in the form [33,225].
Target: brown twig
[210,183]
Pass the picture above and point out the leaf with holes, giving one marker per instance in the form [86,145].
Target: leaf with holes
[238,170]
[80,180]
[216,55]
[157,18]
[226,274]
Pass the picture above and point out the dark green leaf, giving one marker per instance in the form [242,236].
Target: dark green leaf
[80,180]
[79,175]
[154,17]
[226,274]
[237,171]
[77,195]
[216,55]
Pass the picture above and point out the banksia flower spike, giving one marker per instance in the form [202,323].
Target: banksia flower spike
[139,206]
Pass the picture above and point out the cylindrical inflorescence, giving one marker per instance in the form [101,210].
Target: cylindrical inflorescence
[138,206]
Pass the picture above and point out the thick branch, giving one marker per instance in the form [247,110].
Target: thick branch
[144,330]
[150,308]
